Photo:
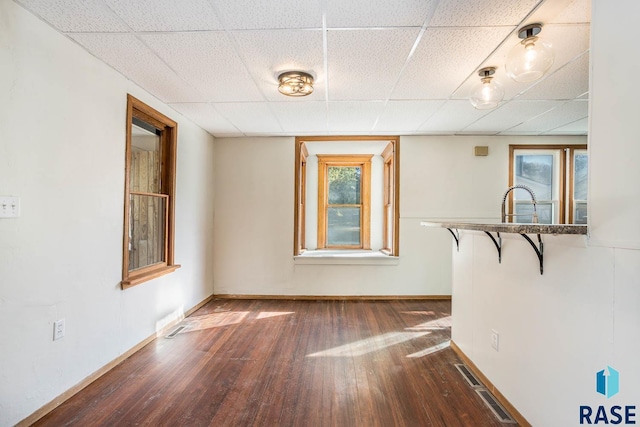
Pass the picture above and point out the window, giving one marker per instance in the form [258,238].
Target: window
[149,194]
[557,174]
[344,201]
[350,200]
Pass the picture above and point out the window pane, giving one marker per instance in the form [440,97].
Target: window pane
[580,177]
[144,176]
[524,212]
[344,185]
[343,227]
[580,213]
[147,219]
[536,172]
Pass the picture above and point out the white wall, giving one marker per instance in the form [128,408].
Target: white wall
[62,142]
[557,330]
[377,188]
[439,177]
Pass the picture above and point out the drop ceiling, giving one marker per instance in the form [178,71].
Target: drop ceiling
[381,67]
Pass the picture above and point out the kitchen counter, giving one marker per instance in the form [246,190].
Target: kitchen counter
[516,228]
[510,227]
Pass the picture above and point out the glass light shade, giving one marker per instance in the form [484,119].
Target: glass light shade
[295,83]
[487,95]
[529,60]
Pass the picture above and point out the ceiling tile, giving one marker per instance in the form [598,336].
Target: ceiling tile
[297,117]
[569,41]
[564,114]
[128,55]
[577,11]
[365,64]
[207,61]
[481,13]
[379,13]
[353,116]
[451,117]
[406,116]
[511,114]
[579,127]
[569,82]
[268,53]
[249,117]
[443,60]
[563,12]
[166,15]
[264,14]
[205,116]
[77,15]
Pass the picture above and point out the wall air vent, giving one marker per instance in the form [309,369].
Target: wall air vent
[497,409]
[468,375]
[176,331]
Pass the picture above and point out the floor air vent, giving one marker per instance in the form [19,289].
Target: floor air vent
[176,331]
[466,373]
[497,409]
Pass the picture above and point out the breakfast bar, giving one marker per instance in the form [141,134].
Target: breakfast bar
[516,228]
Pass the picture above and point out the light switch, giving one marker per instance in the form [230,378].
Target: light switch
[9,207]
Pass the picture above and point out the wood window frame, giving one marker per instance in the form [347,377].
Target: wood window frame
[300,186]
[566,172]
[388,229]
[168,149]
[325,161]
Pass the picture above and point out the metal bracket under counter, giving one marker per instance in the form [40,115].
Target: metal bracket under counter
[521,229]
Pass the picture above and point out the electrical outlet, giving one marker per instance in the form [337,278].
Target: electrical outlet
[9,207]
[58,329]
[495,339]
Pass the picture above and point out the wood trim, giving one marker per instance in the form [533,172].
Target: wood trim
[562,191]
[296,198]
[489,386]
[365,213]
[346,138]
[299,208]
[364,162]
[570,186]
[169,139]
[152,273]
[565,204]
[393,146]
[66,395]
[387,153]
[334,297]
[395,251]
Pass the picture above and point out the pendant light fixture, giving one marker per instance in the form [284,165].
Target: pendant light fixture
[531,58]
[295,83]
[489,93]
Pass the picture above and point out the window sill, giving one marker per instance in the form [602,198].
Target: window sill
[344,257]
[134,280]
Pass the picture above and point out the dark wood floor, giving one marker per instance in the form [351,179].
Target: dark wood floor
[290,363]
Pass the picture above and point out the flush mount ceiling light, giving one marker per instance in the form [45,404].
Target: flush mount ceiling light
[531,58]
[489,93]
[295,83]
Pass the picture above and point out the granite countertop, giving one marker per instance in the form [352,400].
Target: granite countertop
[510,227]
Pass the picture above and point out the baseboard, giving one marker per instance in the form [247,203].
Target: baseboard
[489,386]
[44,410]
[334,297]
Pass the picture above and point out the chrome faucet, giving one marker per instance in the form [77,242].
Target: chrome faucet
[534,218]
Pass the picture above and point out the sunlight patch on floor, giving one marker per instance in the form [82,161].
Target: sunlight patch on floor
[369,345]
[431,325]
[215,320]
[431,350]
[268,314]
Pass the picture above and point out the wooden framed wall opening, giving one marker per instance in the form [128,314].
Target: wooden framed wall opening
[149,203]
[390,182]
